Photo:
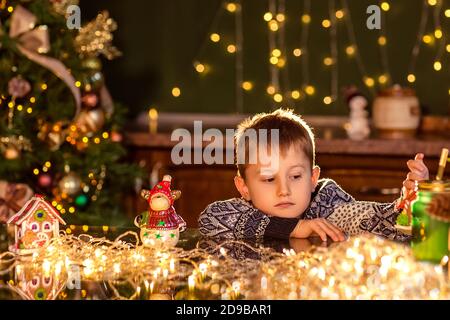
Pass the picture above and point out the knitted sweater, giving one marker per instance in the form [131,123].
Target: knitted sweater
[237,218]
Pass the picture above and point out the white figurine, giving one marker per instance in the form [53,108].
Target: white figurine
[358,127]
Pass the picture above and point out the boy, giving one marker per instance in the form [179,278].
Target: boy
[288,199]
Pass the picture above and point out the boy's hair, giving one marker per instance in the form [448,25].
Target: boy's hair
[292,131]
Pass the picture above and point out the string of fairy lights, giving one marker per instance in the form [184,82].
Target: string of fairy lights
[276,18]
[385,77]
[364,267]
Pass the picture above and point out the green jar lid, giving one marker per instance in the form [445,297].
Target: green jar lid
[435,185]
[438,206]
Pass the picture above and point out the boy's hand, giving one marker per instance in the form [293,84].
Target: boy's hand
[418,172]
[321,227]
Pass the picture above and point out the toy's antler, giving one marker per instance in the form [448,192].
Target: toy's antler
[145,194]
[176,194]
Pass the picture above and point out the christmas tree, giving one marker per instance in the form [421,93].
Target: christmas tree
[59,128]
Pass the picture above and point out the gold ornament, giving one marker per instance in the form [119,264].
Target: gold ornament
[93,81]
[92,63]
[90,121]
[12,146]
[70,184]
[95,38]
[60,6]
[11,153]
[54,134]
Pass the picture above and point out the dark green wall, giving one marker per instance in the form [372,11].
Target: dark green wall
[160,39]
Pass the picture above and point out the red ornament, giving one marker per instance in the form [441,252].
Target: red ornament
[45,180]
[116,136]
[90,100]
[18,87]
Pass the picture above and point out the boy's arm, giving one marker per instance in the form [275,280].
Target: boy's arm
[364,216]
[238,219]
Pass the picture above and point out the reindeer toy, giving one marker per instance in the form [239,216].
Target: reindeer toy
[161,225]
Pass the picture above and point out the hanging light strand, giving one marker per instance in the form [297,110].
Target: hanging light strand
[384,79]
[282,44]
[352,37]
[239,34]
[416,49]
[439,35]
[334,51]
[304,43]
[212,28]
[274,71]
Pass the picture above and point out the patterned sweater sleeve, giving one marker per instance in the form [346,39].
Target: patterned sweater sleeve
[363,216]
[355,217]
[232,219]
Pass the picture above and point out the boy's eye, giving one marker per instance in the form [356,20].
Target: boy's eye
[268,179]
[297,176]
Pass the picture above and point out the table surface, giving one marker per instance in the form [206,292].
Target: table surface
[89,289]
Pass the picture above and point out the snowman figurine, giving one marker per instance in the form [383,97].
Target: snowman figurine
[358,127]
[161,225]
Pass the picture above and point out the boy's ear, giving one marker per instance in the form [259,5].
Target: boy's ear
[315,177]
[241,187]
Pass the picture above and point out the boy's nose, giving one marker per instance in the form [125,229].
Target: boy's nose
[283,189]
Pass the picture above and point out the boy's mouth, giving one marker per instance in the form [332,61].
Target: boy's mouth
[284,204]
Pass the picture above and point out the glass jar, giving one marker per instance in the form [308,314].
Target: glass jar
[431,221]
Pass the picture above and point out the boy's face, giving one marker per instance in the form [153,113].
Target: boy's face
[283,192]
